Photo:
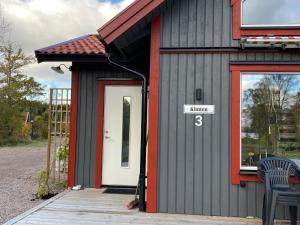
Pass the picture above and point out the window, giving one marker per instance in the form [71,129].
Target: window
[265,118]
[284,13]
[265,18]
[270,117]
[126,131]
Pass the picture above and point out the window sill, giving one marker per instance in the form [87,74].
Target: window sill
[248,172]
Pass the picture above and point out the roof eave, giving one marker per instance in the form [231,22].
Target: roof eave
[69,57]
[127,18]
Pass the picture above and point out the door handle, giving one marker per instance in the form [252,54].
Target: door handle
[106,137]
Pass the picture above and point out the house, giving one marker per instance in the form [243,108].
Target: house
[212,54]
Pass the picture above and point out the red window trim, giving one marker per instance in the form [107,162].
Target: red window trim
[236,70]
[100,122]
[238,31]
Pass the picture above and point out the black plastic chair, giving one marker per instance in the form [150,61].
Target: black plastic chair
[275,173]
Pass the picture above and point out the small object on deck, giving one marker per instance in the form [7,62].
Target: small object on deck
[77,188]
[133,204]
[250,217]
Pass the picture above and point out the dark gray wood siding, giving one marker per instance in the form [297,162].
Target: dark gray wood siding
[194,163]
[197,23]
[87,124]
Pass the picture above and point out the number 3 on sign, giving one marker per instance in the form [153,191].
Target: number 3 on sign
[198,122]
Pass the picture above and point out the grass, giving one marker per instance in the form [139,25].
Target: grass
[33,143]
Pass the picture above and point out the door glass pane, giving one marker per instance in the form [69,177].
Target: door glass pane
[270,117]
[126,131]
[270,13]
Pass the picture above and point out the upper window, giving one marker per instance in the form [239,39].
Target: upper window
[270,117]
[265,18]
[274,13]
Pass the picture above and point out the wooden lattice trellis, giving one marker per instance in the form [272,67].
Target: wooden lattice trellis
[58,133]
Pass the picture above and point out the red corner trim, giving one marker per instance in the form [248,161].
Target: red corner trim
[100,123]
[99,141]
[127,18]
[73,128]
[236,70]
[153,116]
[238,32]
[234,2]
[236,19]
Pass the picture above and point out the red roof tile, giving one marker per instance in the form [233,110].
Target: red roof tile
[88,45]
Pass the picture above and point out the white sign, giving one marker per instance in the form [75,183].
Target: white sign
[199,109]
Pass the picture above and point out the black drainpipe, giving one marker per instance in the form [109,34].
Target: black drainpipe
[142,204]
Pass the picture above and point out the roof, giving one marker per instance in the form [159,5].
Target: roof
[87,44]
[127,18]
[90,45]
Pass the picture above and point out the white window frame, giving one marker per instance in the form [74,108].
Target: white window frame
[265,25]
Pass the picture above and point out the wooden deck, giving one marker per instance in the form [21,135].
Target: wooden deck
[91,207]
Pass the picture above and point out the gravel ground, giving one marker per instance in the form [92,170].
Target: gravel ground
[18,168]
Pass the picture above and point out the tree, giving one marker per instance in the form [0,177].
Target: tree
[17,91]
[269,107]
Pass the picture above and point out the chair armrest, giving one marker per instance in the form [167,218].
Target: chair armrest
[289,193]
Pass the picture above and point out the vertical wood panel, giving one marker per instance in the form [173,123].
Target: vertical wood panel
[172,153]
[198,172]
[164,136]
[207,121]
[216,153]
[224,143]
[189,136]
[180,139]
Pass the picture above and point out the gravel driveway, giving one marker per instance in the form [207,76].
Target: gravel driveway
[18,168]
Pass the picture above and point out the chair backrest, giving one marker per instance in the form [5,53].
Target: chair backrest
[278,169]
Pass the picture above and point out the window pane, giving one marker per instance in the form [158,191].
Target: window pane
[270,13]
[270,117]
[126,131]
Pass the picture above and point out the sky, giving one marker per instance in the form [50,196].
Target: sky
[36,24]
[283,12]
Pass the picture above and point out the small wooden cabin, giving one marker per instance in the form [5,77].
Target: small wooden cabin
[239,61]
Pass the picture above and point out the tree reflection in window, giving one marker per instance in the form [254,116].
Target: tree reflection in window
[126,131]
[270,117]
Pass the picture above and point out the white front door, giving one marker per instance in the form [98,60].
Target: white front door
[122,135]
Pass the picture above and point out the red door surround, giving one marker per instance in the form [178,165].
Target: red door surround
[100,122]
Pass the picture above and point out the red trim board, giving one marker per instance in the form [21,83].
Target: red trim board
[153,116]
[100,123]
[236,70]
[238,31]
[127,18]
[73,128]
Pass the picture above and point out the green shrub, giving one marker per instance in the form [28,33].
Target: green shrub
[43,187]
[63,150]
